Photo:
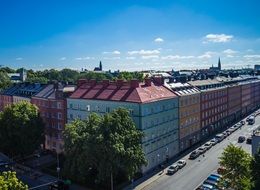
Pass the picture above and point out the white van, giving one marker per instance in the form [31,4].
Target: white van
[219,137]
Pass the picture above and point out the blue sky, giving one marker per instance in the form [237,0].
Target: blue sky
[130,34]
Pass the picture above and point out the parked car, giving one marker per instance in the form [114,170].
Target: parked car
[213,178]
[216,175]
[241,139]
[202,149]
[208,145]
[228,132]
[232,129]
[225,134]
[242,122]
[219,137]
[172,169]
[205,187]
[211,182]
[181,163]
[213,141]
[249,140]
[194,154]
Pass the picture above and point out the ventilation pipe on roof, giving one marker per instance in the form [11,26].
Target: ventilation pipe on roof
[148,81]
[134,83]
[81,82]
[158,80]
[105,83]
[119,82]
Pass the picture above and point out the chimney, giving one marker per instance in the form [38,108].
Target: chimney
[105,83]
[158,80]
[119,82]
[81,82]
[148,81]
[134,83]
[92,82]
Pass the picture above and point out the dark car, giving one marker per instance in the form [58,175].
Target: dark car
[59,185]
[194,154]
[241,139]
[242,122]
[249,140]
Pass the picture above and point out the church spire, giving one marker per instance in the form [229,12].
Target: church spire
[100,66]
[219,64]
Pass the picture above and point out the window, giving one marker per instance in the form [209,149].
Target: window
[59,115]
[59,126]
[88,107]
[71,106]
[71,116]
[107,109]
[97,108]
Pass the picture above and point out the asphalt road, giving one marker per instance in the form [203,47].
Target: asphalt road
[196,171]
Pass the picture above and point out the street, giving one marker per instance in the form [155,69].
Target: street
[196,171]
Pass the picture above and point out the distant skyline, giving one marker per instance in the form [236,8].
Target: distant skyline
[129,35]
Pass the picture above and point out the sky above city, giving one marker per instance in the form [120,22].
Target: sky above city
[129,34]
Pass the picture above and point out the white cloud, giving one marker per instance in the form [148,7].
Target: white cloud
[159,40]
[84,58]
[230,56]
[218,38]
[206,55]
[229,51]
[19,59]
[130,58]
[116,52]
[172,57]
[150,57]
[251,56]
[112,58]
[63,58]
[144,52]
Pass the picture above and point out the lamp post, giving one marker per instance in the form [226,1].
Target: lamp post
[58,166]
[167,155]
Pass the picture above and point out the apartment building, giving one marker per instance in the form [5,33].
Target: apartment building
[189,113]
[52,105]
[154,109]
[19,92]
[234,102]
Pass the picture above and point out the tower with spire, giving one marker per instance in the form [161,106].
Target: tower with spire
[100,66]
[219,64]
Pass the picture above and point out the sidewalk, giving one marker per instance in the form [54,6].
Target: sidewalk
[150,180]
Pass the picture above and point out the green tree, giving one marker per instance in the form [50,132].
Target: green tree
[256,170]
[237,173]
[21,129]
[9,181]
[4,80]
[108,144]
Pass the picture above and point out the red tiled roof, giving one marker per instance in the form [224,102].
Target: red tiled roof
[122,92]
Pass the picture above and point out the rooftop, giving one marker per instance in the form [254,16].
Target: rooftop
[120,90]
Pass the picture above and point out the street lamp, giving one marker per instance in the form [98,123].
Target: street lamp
[167,154]
[58,166]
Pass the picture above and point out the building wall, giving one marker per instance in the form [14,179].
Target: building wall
[17,99]
[5,100]
[189,120]
[245,98]
[158,120]
[234,102]
[214,110]
[53,113]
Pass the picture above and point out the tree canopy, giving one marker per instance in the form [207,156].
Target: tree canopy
[21,129]
[237,173]
[256,170]
[4,80]
[9,181]
[107,144]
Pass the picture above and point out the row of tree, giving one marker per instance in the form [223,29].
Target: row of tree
[241,170]
[69,75]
